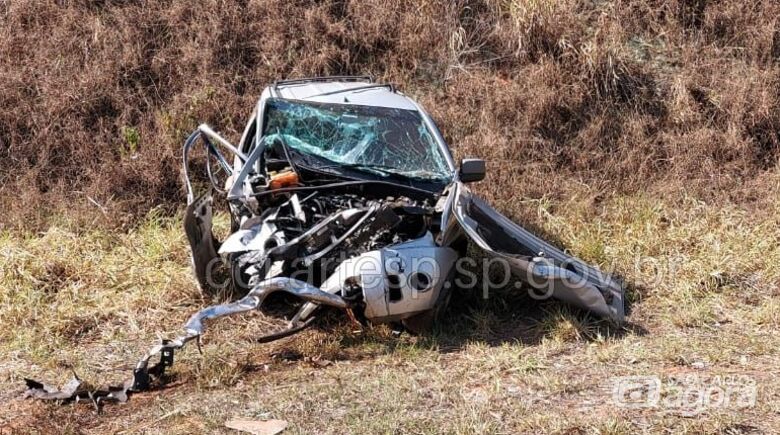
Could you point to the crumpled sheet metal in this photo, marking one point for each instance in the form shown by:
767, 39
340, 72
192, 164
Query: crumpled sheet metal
76, 390
143, 375
47, 392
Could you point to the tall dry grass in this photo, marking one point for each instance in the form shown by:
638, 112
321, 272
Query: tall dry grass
620, 96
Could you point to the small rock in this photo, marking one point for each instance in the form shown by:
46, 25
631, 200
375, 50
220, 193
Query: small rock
257, 427
699, 365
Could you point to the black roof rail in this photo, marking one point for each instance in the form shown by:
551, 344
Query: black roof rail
389, 86
324, 79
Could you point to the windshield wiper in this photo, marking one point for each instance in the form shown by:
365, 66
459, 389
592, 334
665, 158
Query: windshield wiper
382, 170
389, 171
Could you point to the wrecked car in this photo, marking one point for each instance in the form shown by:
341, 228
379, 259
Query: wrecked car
343, 193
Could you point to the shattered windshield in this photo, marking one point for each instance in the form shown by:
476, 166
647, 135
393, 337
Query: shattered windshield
378, 140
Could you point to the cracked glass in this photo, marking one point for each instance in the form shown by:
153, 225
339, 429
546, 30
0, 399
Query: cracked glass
379, 140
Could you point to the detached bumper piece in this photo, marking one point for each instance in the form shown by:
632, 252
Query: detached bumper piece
144, 377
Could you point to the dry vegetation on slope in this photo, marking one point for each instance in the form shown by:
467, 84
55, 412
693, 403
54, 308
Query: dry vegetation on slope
625, 130
620, 95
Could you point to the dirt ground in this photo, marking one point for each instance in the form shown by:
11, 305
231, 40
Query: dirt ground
641, 135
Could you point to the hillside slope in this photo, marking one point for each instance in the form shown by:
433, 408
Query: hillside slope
622, 96
643, 136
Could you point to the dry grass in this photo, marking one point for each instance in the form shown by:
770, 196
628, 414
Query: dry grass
94, 300
642, 135
622, 96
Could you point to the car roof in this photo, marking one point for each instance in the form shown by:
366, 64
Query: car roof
360, 91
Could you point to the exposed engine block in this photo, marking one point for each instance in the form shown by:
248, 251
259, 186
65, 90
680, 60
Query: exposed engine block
347, 244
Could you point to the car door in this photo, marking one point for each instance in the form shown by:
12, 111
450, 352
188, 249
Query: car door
545, 268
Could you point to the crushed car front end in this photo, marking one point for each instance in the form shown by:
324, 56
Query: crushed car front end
342, 193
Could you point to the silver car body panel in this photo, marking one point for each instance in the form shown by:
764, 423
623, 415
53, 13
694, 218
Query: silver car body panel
538, 263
